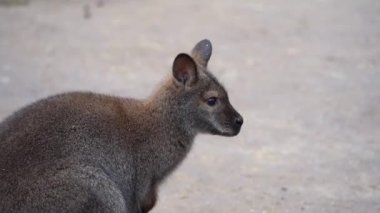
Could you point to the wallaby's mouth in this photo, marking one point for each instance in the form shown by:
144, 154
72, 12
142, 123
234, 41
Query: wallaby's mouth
230, 132
229, 129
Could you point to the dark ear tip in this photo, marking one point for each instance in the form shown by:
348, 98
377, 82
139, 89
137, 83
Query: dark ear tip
182, 56
205, 42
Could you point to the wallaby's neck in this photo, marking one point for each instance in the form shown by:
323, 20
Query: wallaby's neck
168, 135
165, 106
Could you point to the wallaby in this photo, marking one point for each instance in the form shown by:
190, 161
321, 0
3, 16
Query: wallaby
86, 152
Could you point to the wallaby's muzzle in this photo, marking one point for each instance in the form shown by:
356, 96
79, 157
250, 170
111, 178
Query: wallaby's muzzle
232, 122
237, 123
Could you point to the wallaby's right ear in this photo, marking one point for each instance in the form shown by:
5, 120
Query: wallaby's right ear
185, 70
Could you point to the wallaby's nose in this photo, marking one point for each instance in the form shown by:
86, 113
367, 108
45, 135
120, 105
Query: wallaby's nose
239, 120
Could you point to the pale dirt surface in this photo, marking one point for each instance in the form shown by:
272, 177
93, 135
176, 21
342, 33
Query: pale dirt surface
304, 74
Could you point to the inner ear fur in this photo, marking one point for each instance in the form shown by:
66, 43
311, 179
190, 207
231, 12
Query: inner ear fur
185, 70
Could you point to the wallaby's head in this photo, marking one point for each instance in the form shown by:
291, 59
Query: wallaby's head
199, 98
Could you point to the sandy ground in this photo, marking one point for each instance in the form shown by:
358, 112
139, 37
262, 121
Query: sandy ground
304, 74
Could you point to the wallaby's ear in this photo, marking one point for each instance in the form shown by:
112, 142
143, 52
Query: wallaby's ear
202, 52
185, 70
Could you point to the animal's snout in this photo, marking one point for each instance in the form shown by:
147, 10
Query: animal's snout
239, 120
237, 123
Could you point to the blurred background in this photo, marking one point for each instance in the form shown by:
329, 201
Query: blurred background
304, 74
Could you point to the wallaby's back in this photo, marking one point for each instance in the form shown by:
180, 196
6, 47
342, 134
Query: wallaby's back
68, 142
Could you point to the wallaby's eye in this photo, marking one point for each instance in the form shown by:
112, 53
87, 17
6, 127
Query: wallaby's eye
211, 101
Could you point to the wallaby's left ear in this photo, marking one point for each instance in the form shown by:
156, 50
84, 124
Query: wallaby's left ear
185, 70
202, 52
